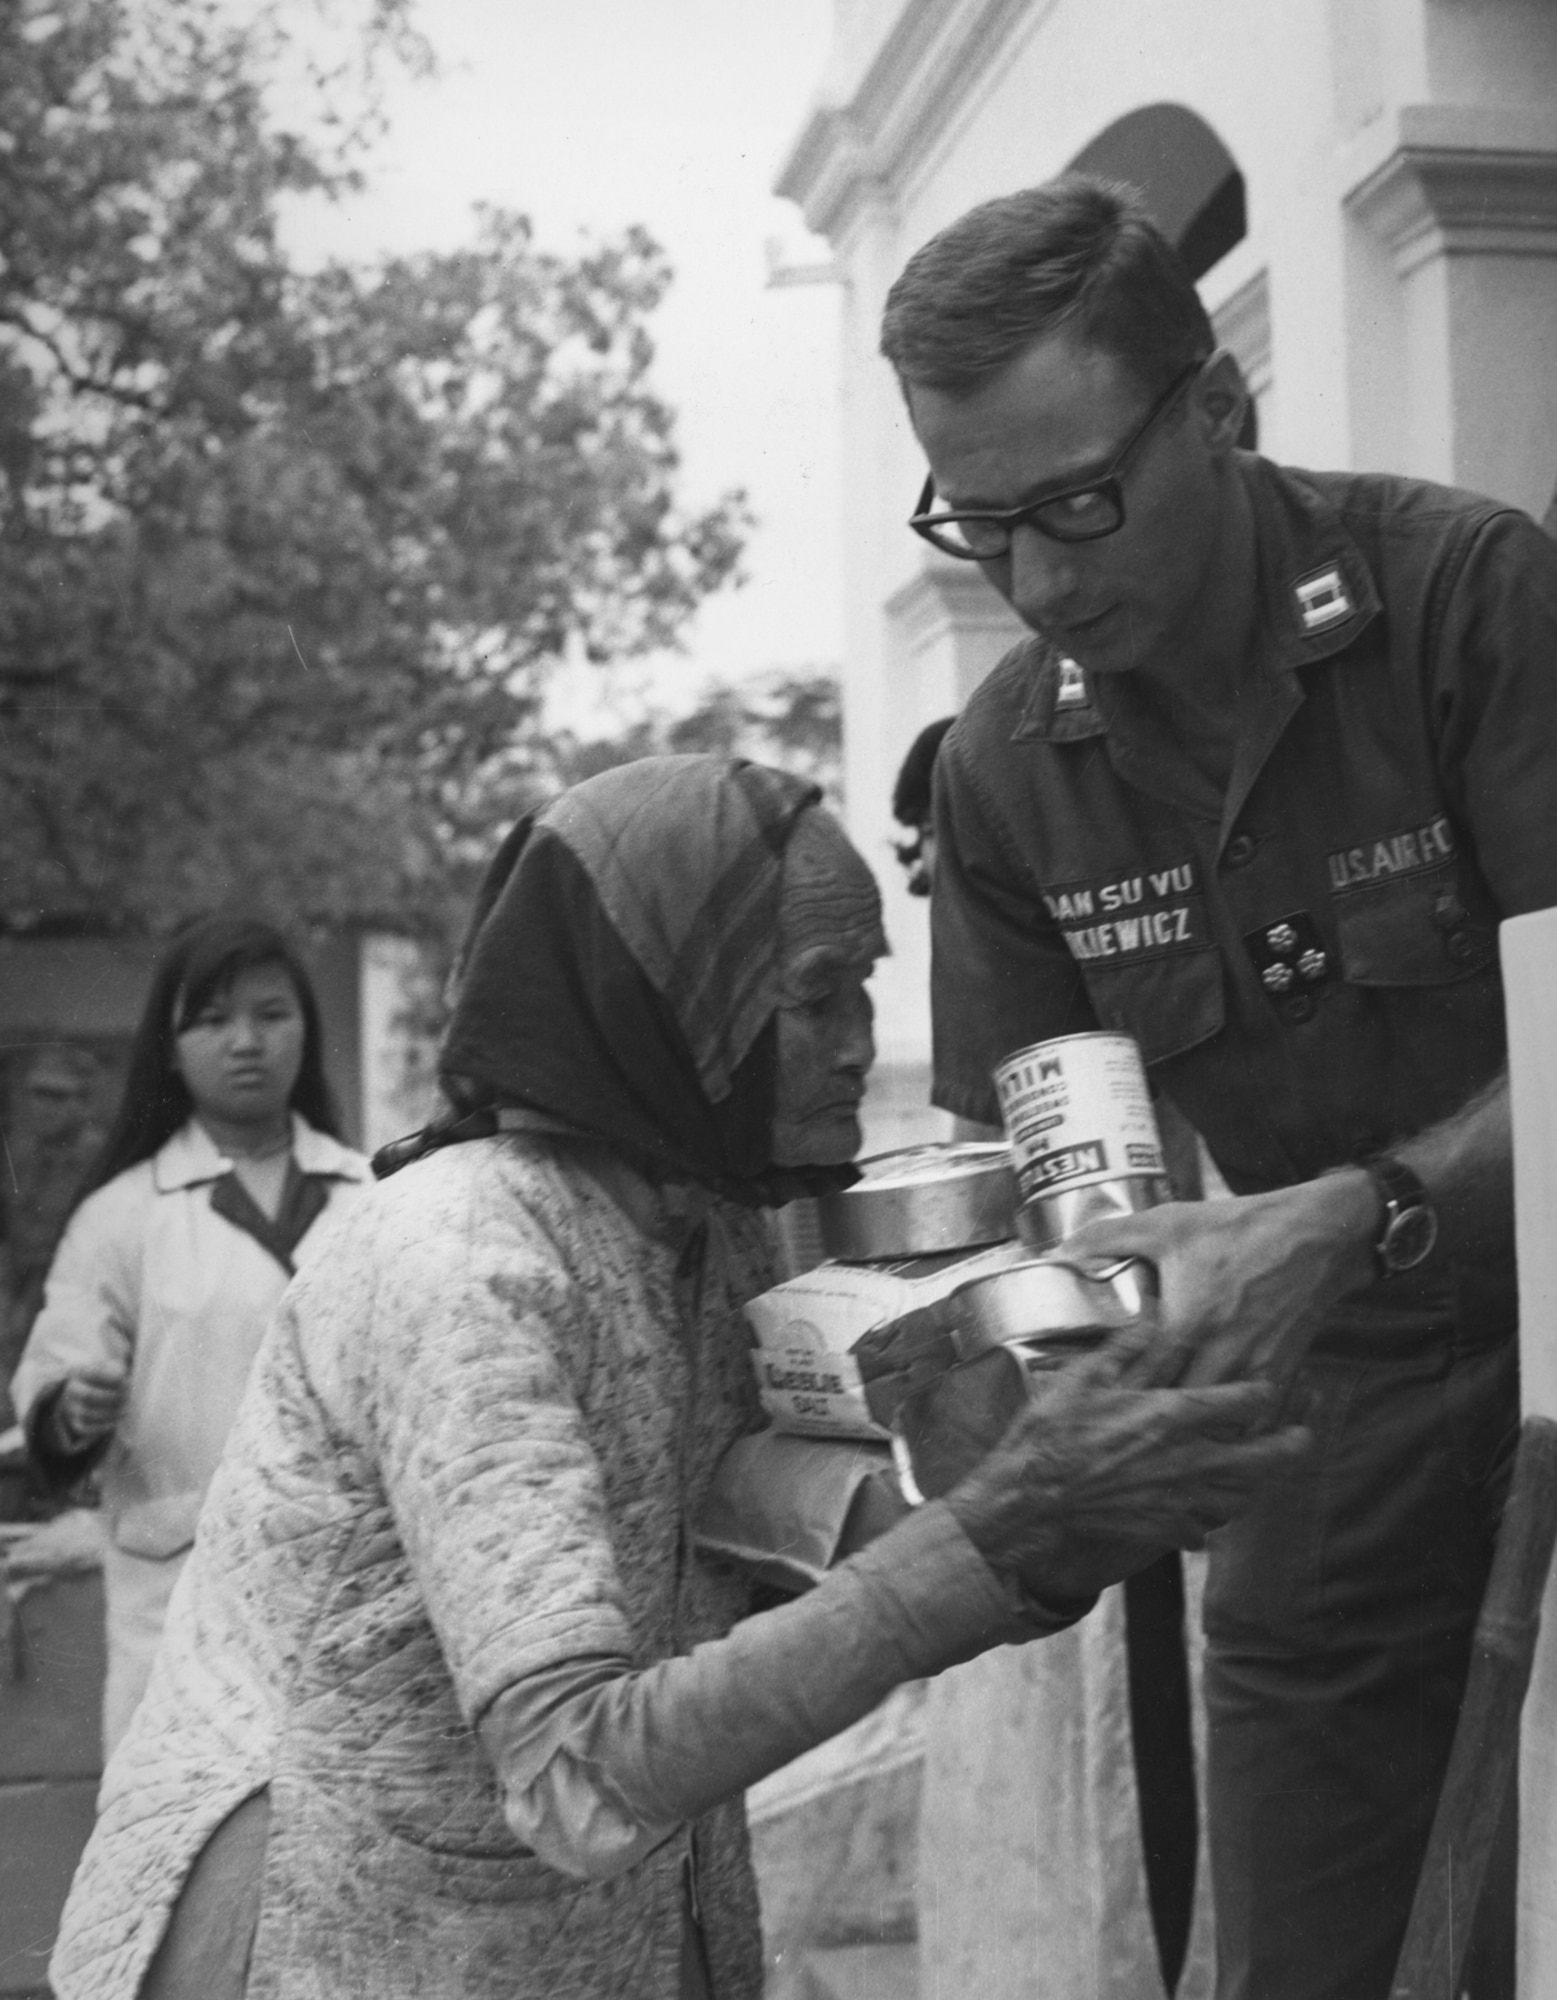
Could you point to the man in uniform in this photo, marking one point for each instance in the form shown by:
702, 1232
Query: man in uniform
1280, 753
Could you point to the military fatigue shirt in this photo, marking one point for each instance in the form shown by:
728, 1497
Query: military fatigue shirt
1308, 961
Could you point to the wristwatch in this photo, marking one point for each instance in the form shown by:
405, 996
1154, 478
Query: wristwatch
1408, 1228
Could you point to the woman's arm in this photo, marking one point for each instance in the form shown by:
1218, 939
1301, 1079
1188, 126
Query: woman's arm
600, 1764
1102, 1470
71, 1382
471, 1345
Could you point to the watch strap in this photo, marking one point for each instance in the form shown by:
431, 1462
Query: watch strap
1408, 1225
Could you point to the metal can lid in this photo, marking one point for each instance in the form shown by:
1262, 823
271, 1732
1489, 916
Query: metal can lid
925, 1165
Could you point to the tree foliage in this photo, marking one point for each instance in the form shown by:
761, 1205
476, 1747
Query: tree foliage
792, 717
286, 556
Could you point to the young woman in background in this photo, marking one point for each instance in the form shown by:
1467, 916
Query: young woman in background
214, 1183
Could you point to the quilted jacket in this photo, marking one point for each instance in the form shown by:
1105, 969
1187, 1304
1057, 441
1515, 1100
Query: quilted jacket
472, 1446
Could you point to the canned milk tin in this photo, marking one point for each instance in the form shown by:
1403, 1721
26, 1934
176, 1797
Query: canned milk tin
1079, 1117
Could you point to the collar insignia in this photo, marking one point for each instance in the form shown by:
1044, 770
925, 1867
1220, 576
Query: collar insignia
1071, 691
1322, 599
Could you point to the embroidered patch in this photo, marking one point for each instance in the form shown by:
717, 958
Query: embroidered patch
1404, 853
1131, 916
1072, 689
1322, 599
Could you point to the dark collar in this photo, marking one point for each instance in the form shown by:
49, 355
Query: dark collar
1317, 596
303, 1200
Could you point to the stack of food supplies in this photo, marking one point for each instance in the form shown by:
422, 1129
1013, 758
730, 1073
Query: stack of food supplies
820, 1481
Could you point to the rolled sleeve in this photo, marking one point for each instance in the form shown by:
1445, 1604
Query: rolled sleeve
1495, 690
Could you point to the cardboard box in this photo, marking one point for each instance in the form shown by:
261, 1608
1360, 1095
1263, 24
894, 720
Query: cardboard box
808, 1380
789, 1508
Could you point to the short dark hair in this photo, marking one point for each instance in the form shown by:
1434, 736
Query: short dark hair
201, 961
1079, 254
911, 792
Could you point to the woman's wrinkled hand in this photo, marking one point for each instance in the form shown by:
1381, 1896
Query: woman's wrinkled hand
90, 1404
1104, 1468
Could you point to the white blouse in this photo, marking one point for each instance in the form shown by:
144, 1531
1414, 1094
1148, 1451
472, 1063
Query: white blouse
149, 1278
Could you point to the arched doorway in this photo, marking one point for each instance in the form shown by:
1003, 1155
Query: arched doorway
1190, 181
1192, 185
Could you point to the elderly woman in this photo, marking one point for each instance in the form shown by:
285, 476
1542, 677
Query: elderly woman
448, 1706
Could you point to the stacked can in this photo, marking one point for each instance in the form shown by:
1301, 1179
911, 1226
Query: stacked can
1083, 1136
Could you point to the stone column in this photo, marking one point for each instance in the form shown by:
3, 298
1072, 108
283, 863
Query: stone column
1464, 200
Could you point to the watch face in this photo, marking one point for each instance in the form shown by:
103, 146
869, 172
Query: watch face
1409, 1237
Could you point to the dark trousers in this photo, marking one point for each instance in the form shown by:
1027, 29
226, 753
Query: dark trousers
1339, 1615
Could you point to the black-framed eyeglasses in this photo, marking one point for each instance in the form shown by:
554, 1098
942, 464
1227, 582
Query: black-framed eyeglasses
1075, 514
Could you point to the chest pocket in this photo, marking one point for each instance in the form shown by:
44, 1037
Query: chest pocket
1168, 1004
1414, 930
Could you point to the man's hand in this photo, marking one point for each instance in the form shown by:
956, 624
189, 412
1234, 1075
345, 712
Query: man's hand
90, 1405
1102, 1470
1244, 1283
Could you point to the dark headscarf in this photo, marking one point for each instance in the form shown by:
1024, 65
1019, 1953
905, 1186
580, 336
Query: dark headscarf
621, 975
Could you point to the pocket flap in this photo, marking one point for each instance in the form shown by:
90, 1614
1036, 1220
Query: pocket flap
1414, 930
1168, 1004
